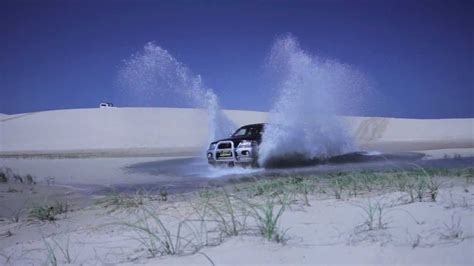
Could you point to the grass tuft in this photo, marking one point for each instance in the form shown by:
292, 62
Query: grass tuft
163, 195
30, 179
227, 213
268, 215
5, 174
338, 184
3, 177
116, 201
374, 214
63, 248
453, 230
48, 212
158, 238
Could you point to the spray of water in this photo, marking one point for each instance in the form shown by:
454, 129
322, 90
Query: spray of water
155, 72
309, 94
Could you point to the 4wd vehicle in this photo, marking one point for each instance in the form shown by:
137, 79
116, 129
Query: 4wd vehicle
240, 148
106, 105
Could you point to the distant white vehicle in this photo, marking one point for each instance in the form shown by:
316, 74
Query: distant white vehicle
106, 105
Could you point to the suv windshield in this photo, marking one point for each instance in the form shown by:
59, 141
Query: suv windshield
247, 131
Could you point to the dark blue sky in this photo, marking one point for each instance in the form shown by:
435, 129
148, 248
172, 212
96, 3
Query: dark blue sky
66, 54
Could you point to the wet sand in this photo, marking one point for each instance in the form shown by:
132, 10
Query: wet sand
181, 174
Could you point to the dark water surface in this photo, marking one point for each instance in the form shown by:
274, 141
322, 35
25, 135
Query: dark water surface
188, 174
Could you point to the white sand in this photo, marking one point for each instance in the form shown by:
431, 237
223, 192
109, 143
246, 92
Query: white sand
394, 134
179, 129
329, 231
110, 128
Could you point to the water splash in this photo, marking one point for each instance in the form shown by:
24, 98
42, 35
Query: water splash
310, 93
154, 72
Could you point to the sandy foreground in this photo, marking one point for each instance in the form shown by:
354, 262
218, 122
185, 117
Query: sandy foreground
317, 229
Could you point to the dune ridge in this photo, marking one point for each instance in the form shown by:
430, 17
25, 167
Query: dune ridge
156, 131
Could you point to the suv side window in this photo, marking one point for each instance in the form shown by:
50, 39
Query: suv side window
241, 132
254, 131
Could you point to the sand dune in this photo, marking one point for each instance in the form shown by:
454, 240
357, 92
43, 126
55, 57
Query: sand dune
395, 134
182, 130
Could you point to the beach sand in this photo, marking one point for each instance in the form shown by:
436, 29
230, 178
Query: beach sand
323, 231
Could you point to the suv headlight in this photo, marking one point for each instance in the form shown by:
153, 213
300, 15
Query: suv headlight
212, 146
245, 144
